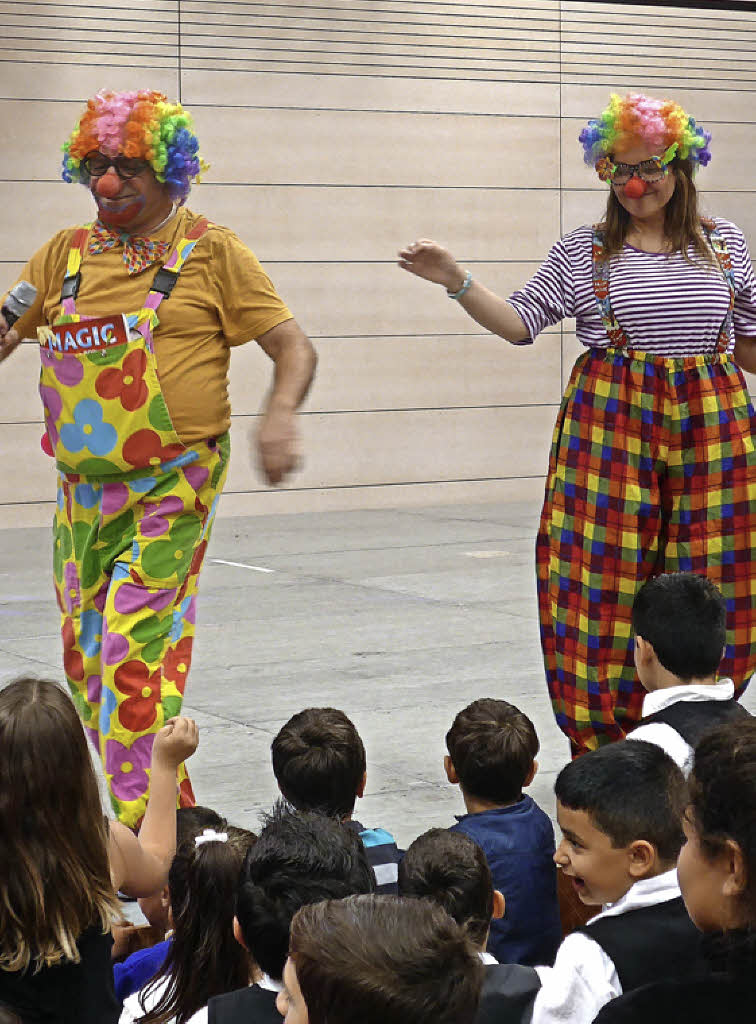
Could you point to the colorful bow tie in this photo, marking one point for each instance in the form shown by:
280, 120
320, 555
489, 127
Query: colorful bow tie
138, 252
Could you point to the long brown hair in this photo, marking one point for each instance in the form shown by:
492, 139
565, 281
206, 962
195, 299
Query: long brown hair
54, 869
204, 959
682, 218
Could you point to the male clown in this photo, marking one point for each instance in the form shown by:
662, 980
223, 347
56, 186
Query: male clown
136, 315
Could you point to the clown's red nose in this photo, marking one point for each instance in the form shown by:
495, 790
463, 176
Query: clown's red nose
109, 185
635, 188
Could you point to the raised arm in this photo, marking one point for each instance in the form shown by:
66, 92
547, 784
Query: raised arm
139, 866
432, 262
9, 339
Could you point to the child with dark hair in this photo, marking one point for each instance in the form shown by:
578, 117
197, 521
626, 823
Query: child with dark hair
717, 872
492, 749
62, 861
451, 869
299, 858
679, 622
203, 960
138, 968
620, 811
319, 764
379, 961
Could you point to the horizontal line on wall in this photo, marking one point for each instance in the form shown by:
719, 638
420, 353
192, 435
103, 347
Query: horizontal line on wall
94, 31
356, 487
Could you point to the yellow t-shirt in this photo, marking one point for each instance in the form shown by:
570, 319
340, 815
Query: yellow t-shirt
222, 298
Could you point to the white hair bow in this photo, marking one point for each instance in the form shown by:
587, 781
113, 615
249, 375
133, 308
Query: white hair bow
210, 836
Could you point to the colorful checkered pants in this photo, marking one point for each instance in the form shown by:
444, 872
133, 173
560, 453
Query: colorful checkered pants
652, 470
128, 553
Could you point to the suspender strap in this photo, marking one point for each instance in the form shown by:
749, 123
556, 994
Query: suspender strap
72, 280
600, 262
164, 281
719, 247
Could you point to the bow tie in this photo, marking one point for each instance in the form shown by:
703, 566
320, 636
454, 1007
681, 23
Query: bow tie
138, 252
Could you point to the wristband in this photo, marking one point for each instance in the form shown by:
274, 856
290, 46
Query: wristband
465, 287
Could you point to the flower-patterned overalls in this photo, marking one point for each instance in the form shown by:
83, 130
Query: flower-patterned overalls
134, 512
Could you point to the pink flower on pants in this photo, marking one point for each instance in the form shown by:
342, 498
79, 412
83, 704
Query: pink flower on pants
128, 767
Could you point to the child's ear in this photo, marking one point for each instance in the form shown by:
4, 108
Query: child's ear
362, 784
736, 877
642, 858
645, 650
498, 905
238, 933
531, 774
451, 772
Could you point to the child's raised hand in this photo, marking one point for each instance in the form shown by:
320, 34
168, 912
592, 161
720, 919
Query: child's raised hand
177, 740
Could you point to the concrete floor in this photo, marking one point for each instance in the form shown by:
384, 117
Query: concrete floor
398, 617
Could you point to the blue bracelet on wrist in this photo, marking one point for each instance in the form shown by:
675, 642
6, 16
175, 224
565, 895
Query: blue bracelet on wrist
465, 287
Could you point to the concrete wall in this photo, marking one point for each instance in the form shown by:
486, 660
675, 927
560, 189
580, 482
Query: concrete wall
337, 131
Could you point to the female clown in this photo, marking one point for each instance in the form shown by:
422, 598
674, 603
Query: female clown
136, 314
652, 466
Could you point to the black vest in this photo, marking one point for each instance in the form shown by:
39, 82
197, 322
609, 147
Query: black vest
508, 994
253, 1005
650, 944
692, 719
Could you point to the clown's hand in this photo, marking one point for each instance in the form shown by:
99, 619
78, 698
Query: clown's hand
432, 262
9, 339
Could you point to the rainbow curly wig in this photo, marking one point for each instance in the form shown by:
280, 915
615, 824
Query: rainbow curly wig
662, 124
142, 125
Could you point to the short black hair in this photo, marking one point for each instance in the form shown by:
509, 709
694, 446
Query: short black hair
451, 869
300, 857
319, 761
492, 746
631, 790
683, 616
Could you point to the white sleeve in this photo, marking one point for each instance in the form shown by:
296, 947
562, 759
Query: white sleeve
669, 740
582, 980
131, 1011
200, 1017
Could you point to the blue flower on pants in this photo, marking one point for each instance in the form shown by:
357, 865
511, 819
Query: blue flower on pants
88, 430
90, 632
177, 626
108, 704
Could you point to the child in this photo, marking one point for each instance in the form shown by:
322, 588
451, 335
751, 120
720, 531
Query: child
679, 624
717, 872
379, 961
138, 968
492, 748
451, 869
619, 809
299, 858
62, 862
204, 959
319, 764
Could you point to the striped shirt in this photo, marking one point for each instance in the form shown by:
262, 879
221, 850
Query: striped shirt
666, 305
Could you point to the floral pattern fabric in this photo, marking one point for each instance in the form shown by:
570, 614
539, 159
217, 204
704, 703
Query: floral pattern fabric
127, 557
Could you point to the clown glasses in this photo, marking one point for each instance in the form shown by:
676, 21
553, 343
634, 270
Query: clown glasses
650, 171
97, 164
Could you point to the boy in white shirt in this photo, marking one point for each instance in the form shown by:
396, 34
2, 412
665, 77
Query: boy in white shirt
680, 635
620, 811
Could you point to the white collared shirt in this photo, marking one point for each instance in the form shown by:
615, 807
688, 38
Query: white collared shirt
487, 958
665, 736
584, 978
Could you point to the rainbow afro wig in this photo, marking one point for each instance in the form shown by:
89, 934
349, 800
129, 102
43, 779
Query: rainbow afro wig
142, 125
662, 124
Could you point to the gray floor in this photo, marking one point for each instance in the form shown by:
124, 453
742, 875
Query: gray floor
400, 618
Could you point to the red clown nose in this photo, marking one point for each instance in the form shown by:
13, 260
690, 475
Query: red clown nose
109, 185
635, 188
